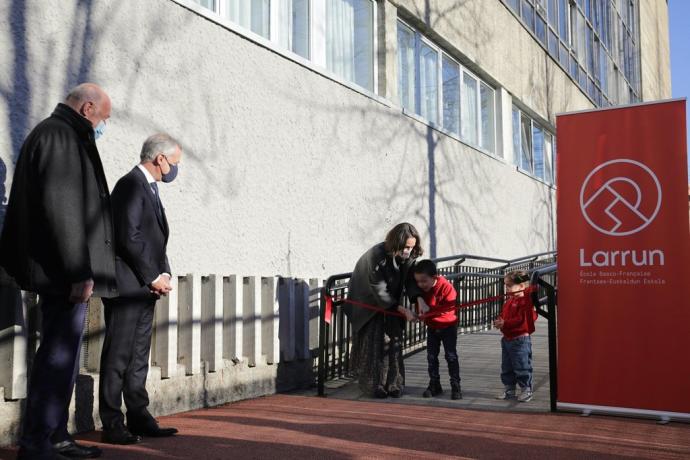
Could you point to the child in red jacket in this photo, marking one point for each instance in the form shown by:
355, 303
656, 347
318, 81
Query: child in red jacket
516, 322
438, 298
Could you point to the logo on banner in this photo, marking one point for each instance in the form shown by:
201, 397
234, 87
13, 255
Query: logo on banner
620, 197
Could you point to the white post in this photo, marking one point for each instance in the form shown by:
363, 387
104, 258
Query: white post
314, 285
233, 307
164, 353
13, 361
270, 321
13, 343
286, 309
189, 329
252, 319
95, 334
212, 322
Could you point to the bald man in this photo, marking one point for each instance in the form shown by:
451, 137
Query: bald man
57, 242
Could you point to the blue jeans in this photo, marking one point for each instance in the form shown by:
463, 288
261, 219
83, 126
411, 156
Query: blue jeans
449, 337
516, 362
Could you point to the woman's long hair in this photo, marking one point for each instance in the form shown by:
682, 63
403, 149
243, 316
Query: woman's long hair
397, 238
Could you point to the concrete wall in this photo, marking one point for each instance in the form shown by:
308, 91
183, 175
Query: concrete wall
216, 339
655, 52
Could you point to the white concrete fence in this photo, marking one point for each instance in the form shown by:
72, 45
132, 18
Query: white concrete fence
216, 339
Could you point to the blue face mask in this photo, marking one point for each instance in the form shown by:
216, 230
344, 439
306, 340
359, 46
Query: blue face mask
99, 129
170, 175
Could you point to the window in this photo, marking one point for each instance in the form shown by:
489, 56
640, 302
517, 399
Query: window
433, 85
469, 109
538, 150
583, 36
487, 110
526, 144
548, 159
516, 136
250, 14
406, 67
428, 83
210, 4
292, 28
533, 147
528, 14
451, 96
563, 19
350, 40
334, 34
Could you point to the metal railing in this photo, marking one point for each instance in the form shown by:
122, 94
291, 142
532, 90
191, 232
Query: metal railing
547, 296
474, 278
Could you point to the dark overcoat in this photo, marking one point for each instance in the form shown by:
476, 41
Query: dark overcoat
58, 228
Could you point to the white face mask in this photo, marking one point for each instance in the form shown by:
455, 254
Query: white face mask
406, 253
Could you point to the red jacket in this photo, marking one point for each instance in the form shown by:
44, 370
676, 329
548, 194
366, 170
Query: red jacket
441, 297
519, 316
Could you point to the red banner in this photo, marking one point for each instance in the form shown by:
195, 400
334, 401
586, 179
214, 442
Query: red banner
624, 259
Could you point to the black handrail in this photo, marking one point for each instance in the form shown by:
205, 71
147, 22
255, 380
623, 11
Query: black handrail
550, 300
471, 283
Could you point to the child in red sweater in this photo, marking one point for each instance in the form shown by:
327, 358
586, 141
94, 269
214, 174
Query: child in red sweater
516, 322
438, 297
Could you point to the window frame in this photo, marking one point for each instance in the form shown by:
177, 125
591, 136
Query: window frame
316, 41
571, 49
462, 70
517, 148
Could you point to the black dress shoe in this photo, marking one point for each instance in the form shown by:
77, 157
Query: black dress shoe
70, 449
397, 393
380, 393
150, 429
119, 435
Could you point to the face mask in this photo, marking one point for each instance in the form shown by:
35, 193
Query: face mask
406, 253
99, 129
170, 175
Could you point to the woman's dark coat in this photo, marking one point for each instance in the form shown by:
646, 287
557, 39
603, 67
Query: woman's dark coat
380, 280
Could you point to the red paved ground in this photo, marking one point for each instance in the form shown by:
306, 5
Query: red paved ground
299, 427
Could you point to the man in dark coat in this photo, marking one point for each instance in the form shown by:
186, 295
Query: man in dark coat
57, 242
143, 274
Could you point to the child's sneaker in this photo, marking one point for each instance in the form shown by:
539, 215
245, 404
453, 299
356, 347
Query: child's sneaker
507, 394
434, 389
525, 395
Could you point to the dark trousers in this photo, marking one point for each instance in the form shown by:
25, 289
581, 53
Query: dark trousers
125, 360
449, 337
53, 374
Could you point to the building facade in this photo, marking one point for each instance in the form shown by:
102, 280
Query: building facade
311, 127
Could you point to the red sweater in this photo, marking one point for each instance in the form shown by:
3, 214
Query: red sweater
518, 315
441, 297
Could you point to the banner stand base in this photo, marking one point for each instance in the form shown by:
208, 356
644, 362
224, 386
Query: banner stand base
662, 416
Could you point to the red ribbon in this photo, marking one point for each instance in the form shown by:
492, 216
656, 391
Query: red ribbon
328, 309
